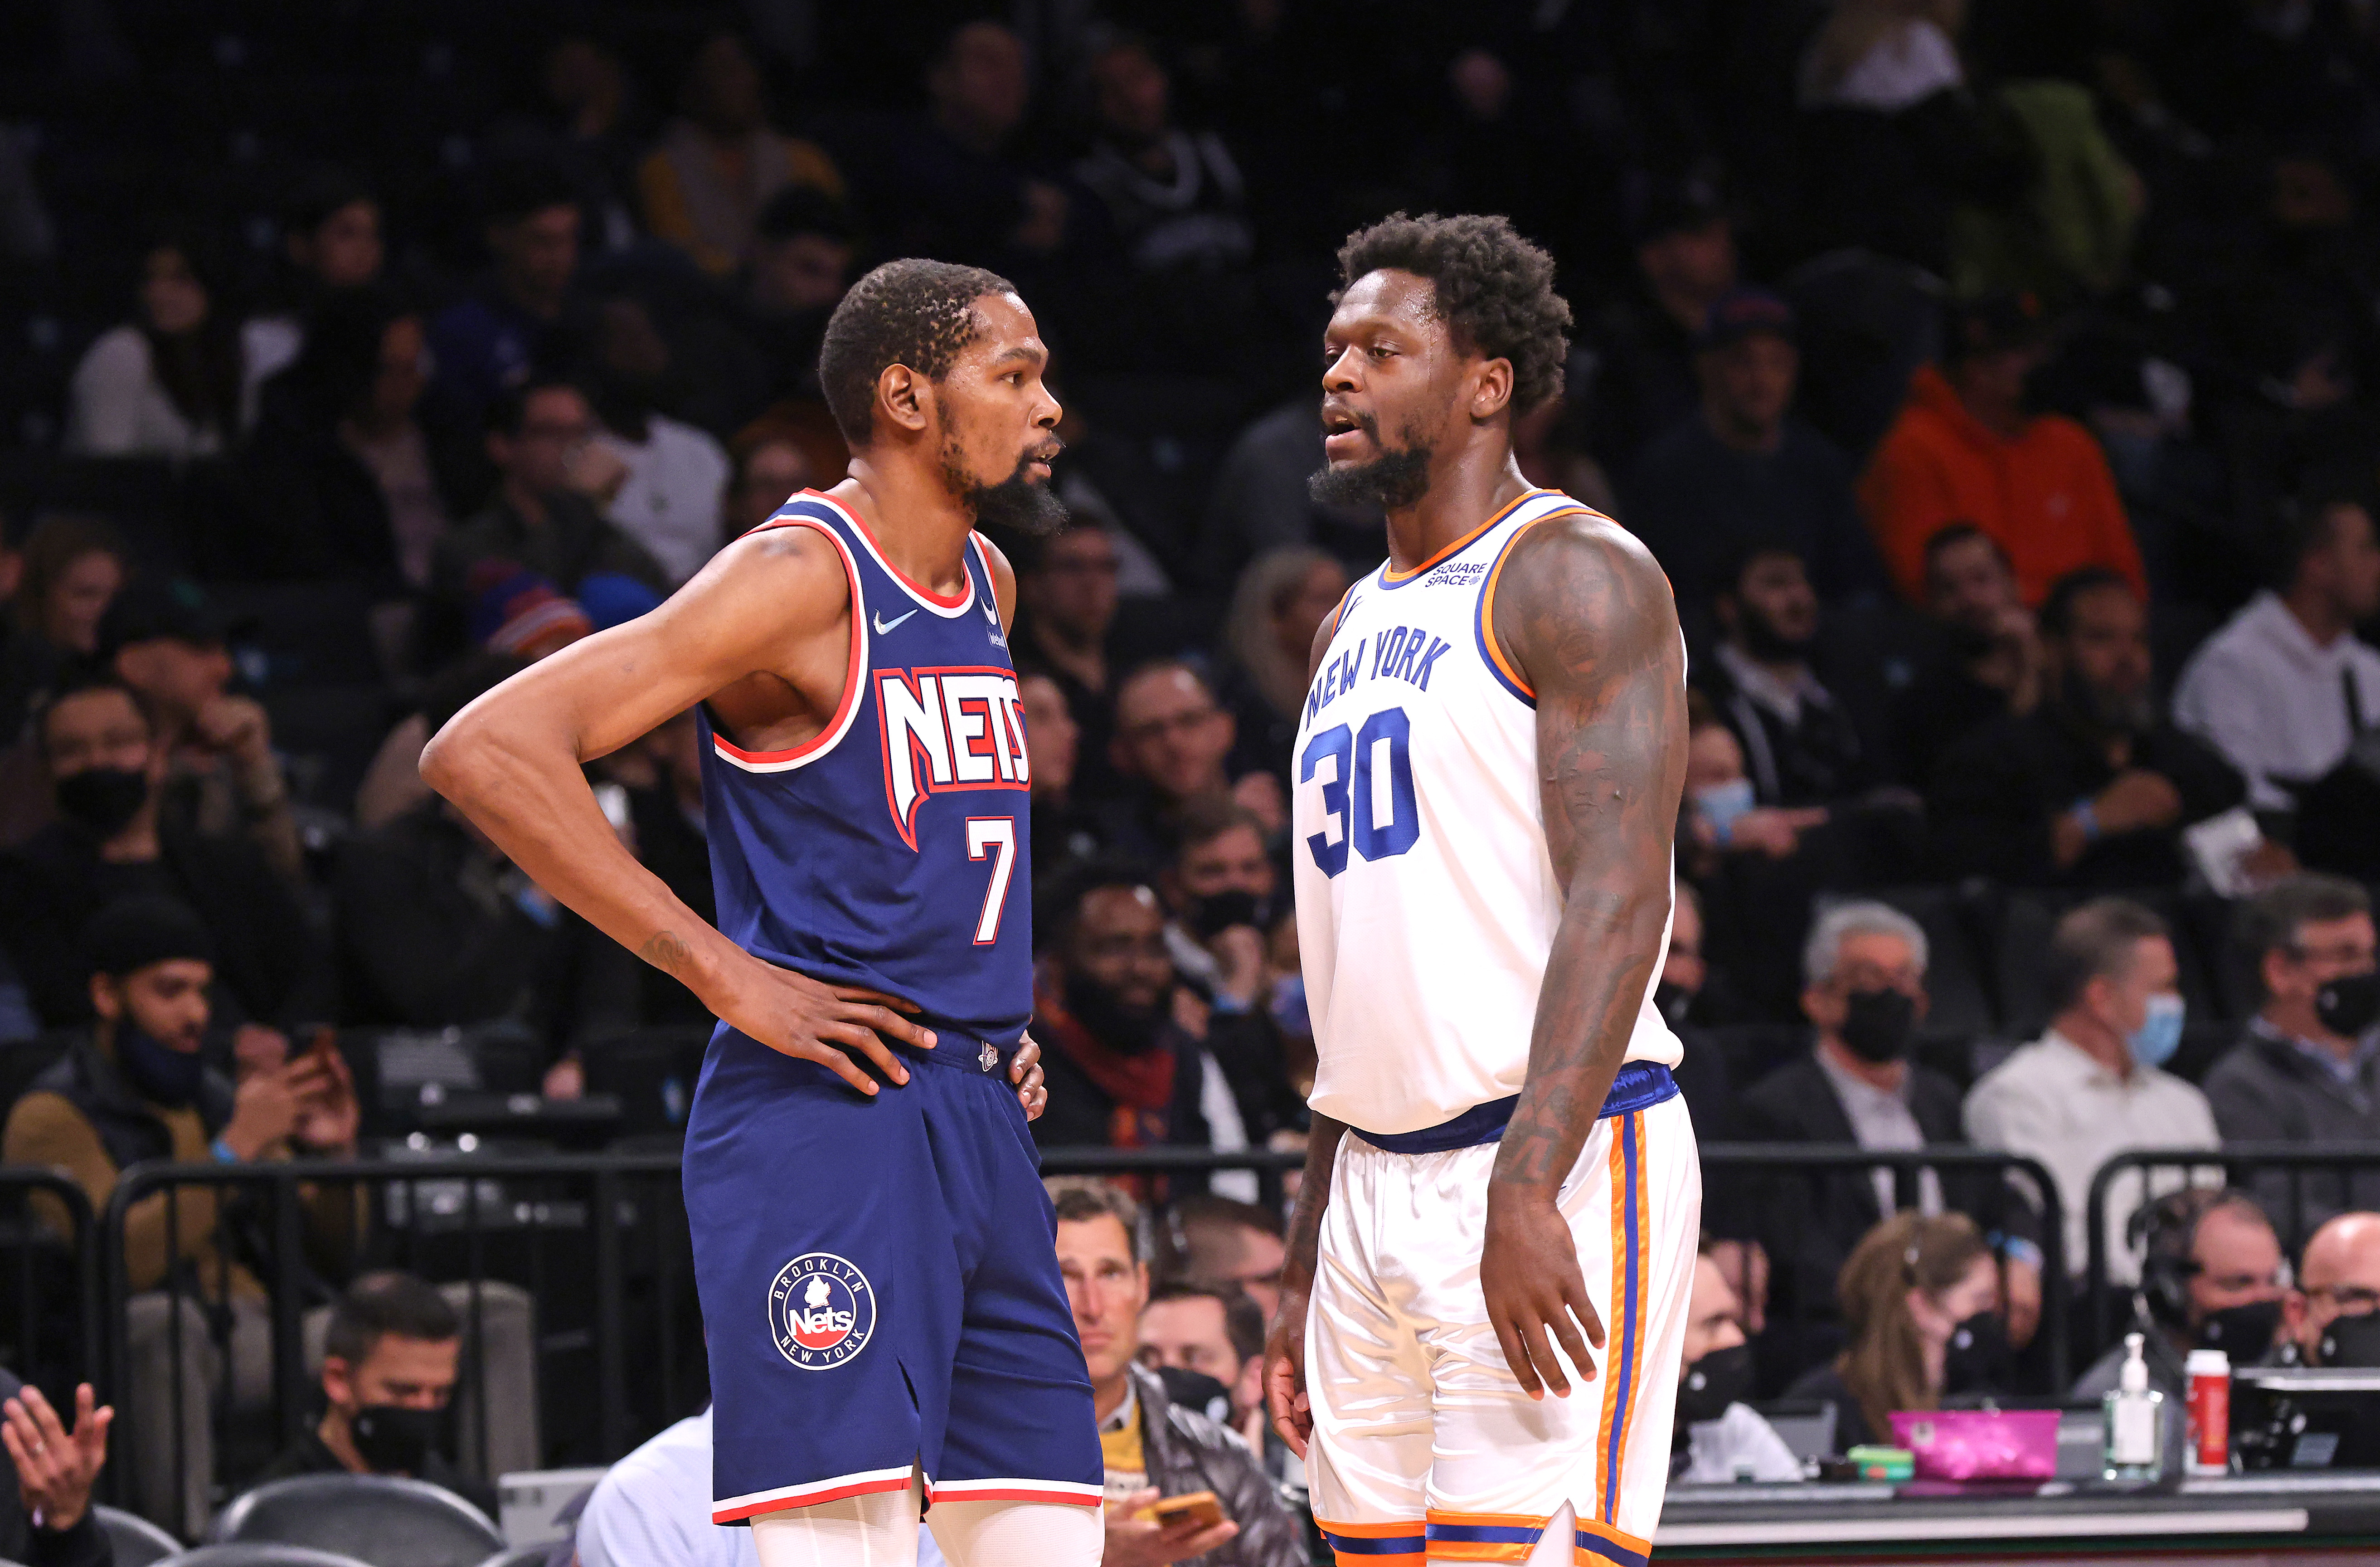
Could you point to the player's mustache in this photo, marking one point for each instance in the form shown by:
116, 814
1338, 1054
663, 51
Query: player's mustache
1368, 423
1043, 454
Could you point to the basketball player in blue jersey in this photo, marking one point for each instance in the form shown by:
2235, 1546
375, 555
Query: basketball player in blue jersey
875, 1254
1501, 1195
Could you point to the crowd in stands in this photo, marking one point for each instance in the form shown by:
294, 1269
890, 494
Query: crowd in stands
1996, 384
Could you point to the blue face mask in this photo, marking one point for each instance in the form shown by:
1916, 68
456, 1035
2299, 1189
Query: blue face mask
1720, 804
2159, 1035
156, 1071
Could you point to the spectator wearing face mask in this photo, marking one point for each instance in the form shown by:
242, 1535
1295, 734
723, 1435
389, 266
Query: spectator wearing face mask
115, 837
2334, 1317
1220, 889
391, 1353
2092, 1086
1920, 1296
1864, 968
1716, 1436
135, 1089
2212, 1276
2307, 1066
2094, 787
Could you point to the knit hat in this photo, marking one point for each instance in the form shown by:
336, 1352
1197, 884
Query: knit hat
513, 607
131, 933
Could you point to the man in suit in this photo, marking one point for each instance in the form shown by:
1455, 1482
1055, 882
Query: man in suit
1865, 993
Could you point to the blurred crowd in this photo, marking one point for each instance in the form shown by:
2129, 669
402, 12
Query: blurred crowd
1997, 383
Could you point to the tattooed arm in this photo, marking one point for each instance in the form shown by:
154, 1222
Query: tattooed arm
1588, 621
762, 631
1284, 1373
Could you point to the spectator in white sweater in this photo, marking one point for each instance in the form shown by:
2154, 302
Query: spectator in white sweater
2283, 688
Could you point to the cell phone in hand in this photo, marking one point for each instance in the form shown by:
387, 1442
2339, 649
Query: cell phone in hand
1199, 1508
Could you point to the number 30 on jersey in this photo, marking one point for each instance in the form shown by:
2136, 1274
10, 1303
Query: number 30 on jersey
1367, 790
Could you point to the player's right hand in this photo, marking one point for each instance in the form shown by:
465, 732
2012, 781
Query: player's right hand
1285, 1375
801, 1018
1142, 1542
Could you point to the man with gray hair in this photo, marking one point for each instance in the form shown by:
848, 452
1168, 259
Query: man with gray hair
2092, 1087
2307, 1066
1864, 973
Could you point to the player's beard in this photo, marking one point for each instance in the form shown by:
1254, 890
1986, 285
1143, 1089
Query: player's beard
1398, 478
1021, 502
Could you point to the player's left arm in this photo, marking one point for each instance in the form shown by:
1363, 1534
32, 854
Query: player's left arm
1586, 617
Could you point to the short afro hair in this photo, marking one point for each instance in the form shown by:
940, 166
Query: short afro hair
1494, 290
911, 312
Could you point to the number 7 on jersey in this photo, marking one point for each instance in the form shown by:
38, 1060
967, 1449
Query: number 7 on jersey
993, 837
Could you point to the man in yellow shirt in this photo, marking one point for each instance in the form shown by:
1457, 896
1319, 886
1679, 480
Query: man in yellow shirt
1152, 1446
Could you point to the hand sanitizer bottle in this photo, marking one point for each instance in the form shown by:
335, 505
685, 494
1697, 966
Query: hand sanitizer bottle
2135, 1415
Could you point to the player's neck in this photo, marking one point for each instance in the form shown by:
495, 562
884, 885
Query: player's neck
917, 523
1461, 496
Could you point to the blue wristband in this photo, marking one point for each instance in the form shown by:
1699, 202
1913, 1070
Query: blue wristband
222, 1151
2086, 816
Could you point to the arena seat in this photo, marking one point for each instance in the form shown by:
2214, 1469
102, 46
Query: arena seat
136, 1541
260, 1553
380, 1520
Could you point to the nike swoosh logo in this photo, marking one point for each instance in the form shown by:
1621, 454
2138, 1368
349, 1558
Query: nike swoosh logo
883, 625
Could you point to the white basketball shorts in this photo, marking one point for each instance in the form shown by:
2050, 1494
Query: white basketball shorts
1425, 1447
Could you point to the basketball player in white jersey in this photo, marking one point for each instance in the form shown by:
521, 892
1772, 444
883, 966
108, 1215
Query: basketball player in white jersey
1501, 1196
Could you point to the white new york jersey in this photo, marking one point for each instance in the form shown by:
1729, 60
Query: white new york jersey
1425, 896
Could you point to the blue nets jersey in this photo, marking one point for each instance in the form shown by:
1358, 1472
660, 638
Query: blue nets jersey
891, 851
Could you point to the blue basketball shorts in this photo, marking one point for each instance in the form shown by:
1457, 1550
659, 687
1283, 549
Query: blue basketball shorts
879, 1286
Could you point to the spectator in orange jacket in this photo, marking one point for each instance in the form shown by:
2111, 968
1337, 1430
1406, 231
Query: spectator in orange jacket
1965, 449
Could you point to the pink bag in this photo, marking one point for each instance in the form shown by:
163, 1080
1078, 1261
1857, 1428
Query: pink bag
1979, 1444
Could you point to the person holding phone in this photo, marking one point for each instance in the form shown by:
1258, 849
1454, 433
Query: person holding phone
1180, 1488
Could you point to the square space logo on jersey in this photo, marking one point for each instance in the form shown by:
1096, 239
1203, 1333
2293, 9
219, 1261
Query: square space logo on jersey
821, 1311
945, 730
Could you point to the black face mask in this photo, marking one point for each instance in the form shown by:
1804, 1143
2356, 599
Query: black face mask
392, 1439
1978, 1355
2351, 1340
1721, 1378
2243, 1332
1213, 915
1876, 1024
101, 800
1127, 1029
2350, 1004
1674, 1003
156, 1071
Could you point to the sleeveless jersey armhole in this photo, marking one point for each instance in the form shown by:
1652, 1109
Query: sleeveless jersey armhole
1483, 618
854, 672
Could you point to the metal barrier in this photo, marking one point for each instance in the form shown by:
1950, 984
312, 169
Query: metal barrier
2283, 1168
587, 1237
55, 1291
1717, 1157
1905, 1164
601, 1244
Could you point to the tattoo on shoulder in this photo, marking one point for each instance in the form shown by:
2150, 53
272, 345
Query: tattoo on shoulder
665, 952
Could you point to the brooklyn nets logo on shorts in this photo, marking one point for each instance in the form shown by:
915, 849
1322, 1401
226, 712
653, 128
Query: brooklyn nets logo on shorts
821, 1311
